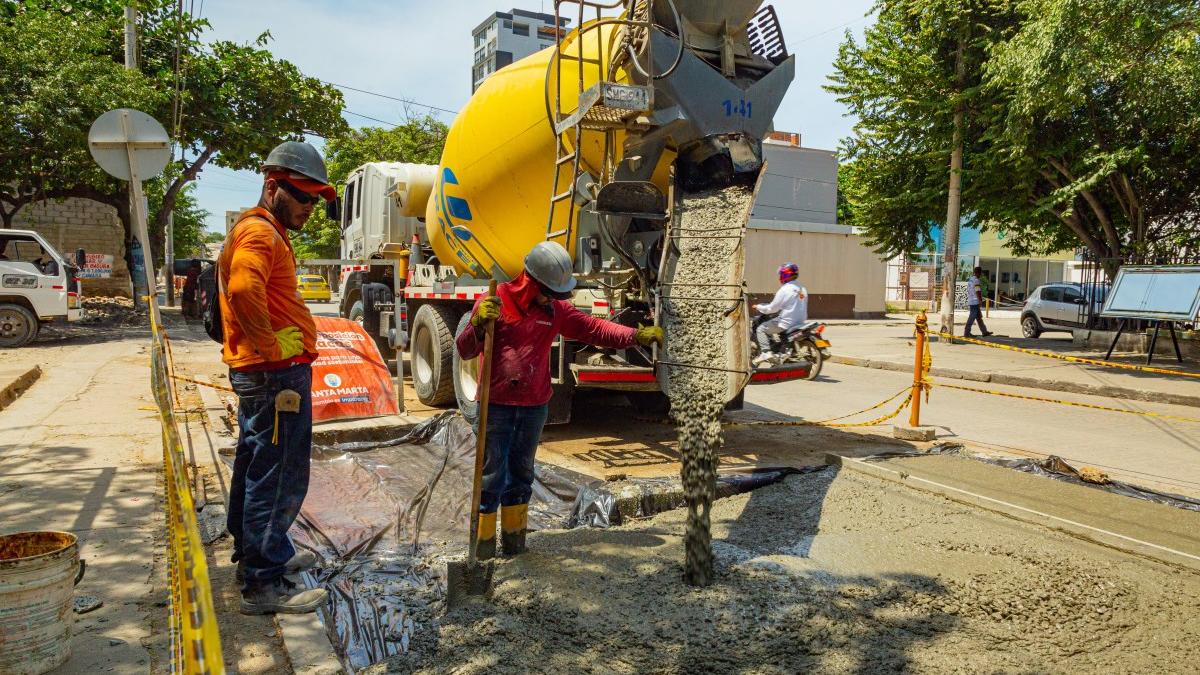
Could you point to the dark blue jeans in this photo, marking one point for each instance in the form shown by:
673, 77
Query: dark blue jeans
974, 316
513, 432
270, 479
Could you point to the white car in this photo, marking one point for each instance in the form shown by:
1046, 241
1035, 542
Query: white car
37, 285
1060, 306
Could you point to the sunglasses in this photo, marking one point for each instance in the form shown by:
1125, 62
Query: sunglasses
301, 197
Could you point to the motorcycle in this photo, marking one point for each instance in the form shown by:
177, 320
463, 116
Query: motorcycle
804, 343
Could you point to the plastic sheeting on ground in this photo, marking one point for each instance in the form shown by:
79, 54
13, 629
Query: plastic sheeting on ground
385, 516
1055, 467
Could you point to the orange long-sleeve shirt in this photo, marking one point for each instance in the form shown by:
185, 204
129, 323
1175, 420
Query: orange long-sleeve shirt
259, 295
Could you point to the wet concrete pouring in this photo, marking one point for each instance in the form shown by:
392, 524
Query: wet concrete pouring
830, 570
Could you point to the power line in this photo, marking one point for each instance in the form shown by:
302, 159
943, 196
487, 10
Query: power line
390, 98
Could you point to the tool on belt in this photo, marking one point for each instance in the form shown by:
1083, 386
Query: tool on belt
285, 401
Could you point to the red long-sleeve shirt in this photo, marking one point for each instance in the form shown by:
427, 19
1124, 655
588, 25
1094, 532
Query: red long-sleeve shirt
521, 351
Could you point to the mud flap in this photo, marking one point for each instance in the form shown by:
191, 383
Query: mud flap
561, 402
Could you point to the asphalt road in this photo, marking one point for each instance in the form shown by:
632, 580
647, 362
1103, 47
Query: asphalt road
1144, 450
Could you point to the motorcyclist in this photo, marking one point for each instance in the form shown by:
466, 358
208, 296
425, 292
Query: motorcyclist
790, 307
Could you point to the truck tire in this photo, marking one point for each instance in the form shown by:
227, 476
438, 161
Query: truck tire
356, 311
466, 378
18, 326
432, 354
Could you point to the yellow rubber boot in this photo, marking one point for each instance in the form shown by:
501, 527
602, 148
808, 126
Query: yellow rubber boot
485, 549
513, 524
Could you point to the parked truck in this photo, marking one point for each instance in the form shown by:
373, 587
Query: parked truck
593, 143
37, 286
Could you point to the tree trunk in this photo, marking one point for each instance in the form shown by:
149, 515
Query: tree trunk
954, 203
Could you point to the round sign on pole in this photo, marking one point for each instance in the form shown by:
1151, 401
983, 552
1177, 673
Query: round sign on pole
125, 136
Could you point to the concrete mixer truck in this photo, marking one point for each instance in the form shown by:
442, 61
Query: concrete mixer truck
595, 143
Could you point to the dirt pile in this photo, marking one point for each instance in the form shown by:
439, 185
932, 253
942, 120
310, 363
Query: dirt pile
835, 572
696, 304
110, 311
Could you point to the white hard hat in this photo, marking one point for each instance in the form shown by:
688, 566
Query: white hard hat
550, 264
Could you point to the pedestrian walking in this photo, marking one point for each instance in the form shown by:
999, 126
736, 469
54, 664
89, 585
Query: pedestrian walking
530, 312
975, 304
269, 345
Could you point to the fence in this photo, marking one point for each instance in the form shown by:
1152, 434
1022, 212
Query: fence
195, 639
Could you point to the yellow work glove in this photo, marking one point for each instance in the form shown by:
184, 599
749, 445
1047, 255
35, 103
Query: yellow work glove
648, 334
291, 341
488, 310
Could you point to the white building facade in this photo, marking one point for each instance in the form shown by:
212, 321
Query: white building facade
505, 37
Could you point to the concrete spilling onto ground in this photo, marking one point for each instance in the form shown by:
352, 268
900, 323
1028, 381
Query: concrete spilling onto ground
694, 314
837, 572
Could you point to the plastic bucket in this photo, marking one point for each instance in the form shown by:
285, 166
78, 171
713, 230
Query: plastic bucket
38, 573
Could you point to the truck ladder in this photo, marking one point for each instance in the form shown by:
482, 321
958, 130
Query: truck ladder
605, 107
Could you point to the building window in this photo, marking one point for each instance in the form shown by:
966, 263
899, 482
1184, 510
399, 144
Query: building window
480, 38
508, 24
521, 29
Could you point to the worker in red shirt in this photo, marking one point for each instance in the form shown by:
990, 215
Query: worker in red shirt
530, 312
270, 342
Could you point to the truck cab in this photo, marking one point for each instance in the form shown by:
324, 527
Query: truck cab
37, 286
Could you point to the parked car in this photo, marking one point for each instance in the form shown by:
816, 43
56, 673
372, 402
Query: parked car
313, 288
1059, 306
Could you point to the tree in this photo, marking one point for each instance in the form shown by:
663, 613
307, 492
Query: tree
1101, 137
189, 218
417, 141
62, 67
56, 77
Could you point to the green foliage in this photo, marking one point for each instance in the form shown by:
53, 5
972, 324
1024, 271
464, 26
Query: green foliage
189, 217
417, 141
1082, 123
214, 237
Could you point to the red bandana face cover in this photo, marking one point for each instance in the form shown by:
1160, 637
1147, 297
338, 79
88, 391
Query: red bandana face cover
516, 297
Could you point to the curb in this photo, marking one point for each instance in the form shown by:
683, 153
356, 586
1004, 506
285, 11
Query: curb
13, 390
1029, 382
1095, 535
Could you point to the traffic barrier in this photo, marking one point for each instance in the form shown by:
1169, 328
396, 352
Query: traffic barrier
1065, 357
194, 637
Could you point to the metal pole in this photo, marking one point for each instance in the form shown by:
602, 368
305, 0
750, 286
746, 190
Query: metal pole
169, 272
130, 37
139, 225
134, 203
914, 415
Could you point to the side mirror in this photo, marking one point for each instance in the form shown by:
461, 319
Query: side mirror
333, 210
80, 257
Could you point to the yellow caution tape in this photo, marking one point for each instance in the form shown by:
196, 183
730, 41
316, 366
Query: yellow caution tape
1072, 359
195, 638
1093, 406
210, 385
829, 422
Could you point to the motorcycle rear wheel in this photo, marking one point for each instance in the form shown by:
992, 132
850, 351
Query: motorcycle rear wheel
808, 351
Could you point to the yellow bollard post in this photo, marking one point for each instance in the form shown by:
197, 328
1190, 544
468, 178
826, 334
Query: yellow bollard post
987, 307
914, 417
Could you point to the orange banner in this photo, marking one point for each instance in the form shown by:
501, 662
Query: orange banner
350, 378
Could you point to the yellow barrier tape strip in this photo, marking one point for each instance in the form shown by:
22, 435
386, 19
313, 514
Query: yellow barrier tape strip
1093, 406
1072, 359
195, 637
829, 422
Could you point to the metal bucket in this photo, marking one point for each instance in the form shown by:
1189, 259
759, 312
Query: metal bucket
38, 573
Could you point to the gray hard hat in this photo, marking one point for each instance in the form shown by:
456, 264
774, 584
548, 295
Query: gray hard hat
298, 157
550, 264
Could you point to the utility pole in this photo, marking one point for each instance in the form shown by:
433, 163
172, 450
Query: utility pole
131, 64
954, 204
169, 272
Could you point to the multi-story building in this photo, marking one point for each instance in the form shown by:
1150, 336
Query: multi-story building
505, 37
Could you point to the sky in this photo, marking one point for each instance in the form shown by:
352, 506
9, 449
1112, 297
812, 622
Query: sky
422, 51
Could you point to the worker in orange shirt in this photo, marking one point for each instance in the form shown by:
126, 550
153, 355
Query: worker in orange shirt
269, 345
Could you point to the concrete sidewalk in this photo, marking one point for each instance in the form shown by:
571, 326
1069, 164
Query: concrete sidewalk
889, 346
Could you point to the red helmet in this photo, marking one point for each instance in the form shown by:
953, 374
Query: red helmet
788, 272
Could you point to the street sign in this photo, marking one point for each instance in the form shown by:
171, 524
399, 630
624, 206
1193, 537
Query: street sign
133, 146
124, 136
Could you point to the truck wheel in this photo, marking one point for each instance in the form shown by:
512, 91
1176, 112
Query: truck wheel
433, 354
18, 326
466, 378
356, 312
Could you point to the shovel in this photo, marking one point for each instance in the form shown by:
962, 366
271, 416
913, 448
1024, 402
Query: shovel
472, 578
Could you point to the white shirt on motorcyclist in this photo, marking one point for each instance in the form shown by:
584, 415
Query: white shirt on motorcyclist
791, 304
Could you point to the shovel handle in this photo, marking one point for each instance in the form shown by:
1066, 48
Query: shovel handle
485, 387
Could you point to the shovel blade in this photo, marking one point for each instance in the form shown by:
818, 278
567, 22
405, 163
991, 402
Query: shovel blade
465, 582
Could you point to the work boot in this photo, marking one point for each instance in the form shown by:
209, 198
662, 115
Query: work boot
513, 522
282, 597
302, 560
485, 548
762, 359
